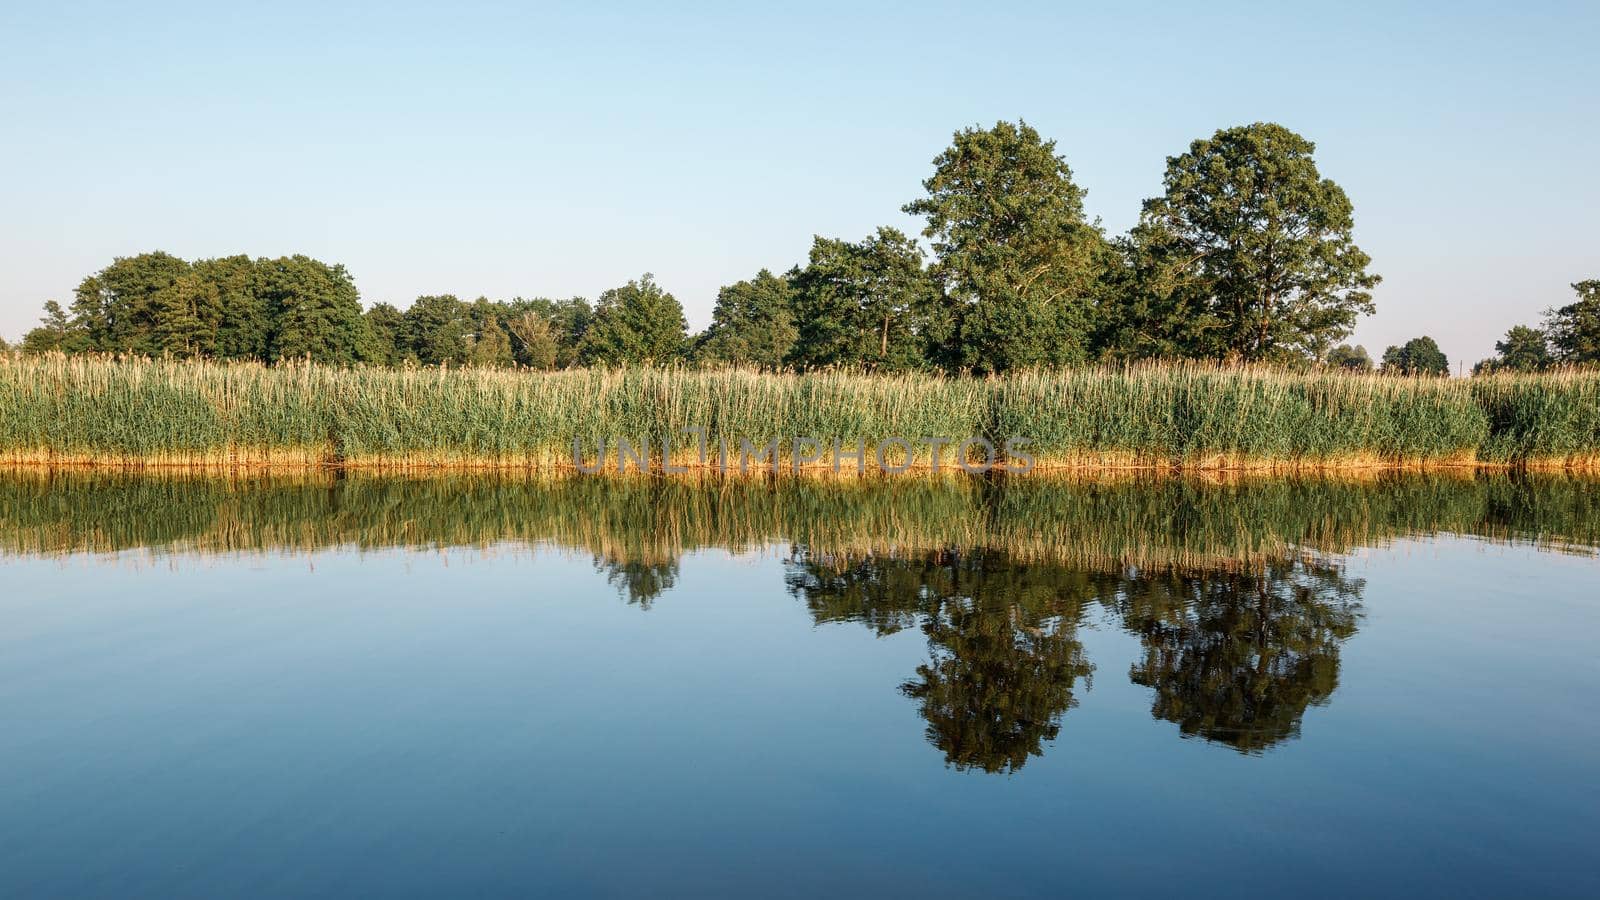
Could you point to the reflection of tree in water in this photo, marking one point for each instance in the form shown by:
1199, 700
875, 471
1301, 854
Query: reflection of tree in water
639, 583
1234, 657
1002, 639
1237, 658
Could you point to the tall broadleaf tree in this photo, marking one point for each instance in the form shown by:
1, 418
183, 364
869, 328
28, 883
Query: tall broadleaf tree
1251, 249
871, 304
1012, 250
636, 323
315, 309
752, 324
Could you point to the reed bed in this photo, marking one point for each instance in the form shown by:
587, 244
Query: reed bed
57, 410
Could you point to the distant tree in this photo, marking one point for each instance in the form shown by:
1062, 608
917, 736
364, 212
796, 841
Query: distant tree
114, 306
533, 341
547, 333
185, 316
1418, 356
1012, 250
315, 309
1523, 350
492, 346
385, 334
438, 330
1574, 329
639, 582
57, 332
570, 320
1251, 249
869, 304
752, 324
1354, 359
636, 323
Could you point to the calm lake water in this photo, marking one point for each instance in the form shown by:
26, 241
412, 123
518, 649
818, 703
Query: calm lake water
366, 686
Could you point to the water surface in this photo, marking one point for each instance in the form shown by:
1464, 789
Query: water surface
364, 686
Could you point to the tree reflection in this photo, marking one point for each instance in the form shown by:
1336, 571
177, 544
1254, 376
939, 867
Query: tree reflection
1234, 657
1237, 658
639, 582
1004, 658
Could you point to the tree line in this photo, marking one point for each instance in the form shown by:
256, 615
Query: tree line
1246, 255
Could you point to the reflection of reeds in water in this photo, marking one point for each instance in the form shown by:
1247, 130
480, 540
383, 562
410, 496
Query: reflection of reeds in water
1095, 523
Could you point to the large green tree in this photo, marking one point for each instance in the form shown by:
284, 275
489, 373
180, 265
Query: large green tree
1018, 262
871, 304
636, 323
1574, 329
315, 310
752, 324
115, 307
1249, 253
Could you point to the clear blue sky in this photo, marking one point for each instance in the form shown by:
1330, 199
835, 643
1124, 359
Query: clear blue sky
503, 149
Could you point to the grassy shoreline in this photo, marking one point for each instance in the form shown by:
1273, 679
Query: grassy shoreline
99, 412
